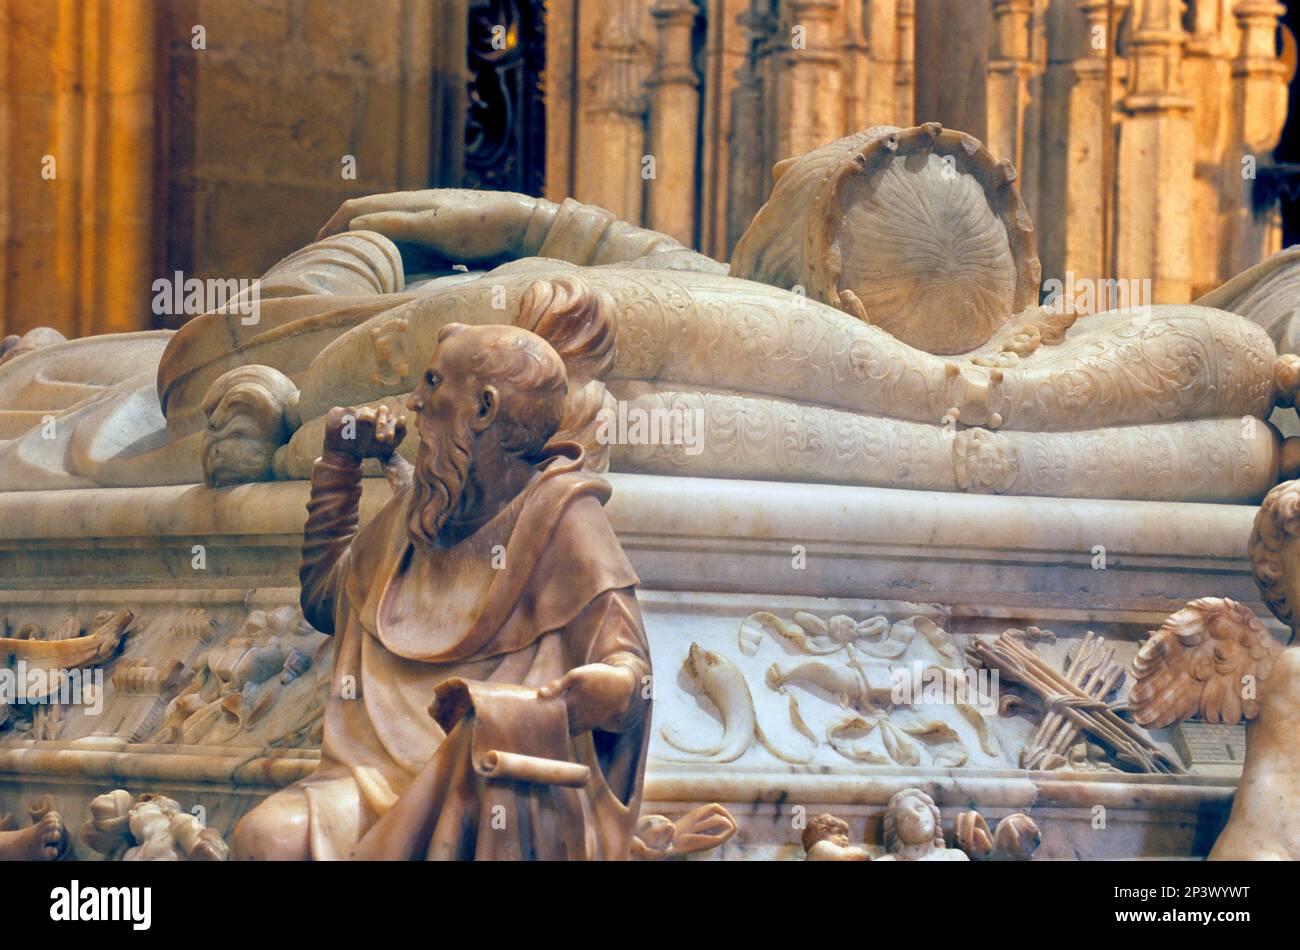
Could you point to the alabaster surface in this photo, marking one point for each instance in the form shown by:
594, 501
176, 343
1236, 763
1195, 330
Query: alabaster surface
901, 461
1215, 660
813, 358
706, 571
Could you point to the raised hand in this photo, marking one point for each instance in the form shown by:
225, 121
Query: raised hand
363, 433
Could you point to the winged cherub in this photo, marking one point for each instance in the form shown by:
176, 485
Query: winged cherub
1214, 657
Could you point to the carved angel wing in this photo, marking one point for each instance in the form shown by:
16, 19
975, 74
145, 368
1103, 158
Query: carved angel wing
1198, 663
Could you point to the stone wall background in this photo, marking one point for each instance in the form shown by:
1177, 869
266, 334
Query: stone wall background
77, 122
257, 126
215, 161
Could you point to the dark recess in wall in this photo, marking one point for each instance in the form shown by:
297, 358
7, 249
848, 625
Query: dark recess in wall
1288, 149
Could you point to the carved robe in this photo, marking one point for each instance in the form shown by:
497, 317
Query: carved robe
541, 588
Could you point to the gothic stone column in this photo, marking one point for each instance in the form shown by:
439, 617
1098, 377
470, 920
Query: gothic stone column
1156, 158
674, 122
952, 58
1259, 104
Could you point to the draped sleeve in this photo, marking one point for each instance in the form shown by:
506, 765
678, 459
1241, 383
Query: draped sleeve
332, 523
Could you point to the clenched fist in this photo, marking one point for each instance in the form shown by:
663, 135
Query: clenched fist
358, 434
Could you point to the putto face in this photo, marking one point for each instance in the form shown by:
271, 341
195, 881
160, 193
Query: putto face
914, 820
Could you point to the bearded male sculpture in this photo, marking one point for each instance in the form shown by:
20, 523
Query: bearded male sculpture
489, 694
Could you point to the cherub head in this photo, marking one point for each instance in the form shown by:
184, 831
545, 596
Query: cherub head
826, 827
912, 819
152, 815
1273, 552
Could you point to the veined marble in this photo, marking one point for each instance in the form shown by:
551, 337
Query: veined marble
887, 474
973, 566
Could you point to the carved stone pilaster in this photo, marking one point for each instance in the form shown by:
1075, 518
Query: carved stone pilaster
613, 139
1033, 145
726, 55
1207, 77
618, 85
1156, 157
1258, 22
1258, 111
905, 77
674, 120
747, 152
1096, 35
856, 66
809, 98
1010, 68
1089, 138
78, 115
1155, 55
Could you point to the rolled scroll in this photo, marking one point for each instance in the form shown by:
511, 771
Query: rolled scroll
530, 768
516, 736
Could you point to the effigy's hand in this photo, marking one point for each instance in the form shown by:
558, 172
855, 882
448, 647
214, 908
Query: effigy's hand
594, 694
397, 202
358, 434
454, 223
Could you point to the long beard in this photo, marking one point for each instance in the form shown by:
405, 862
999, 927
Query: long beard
441, 471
